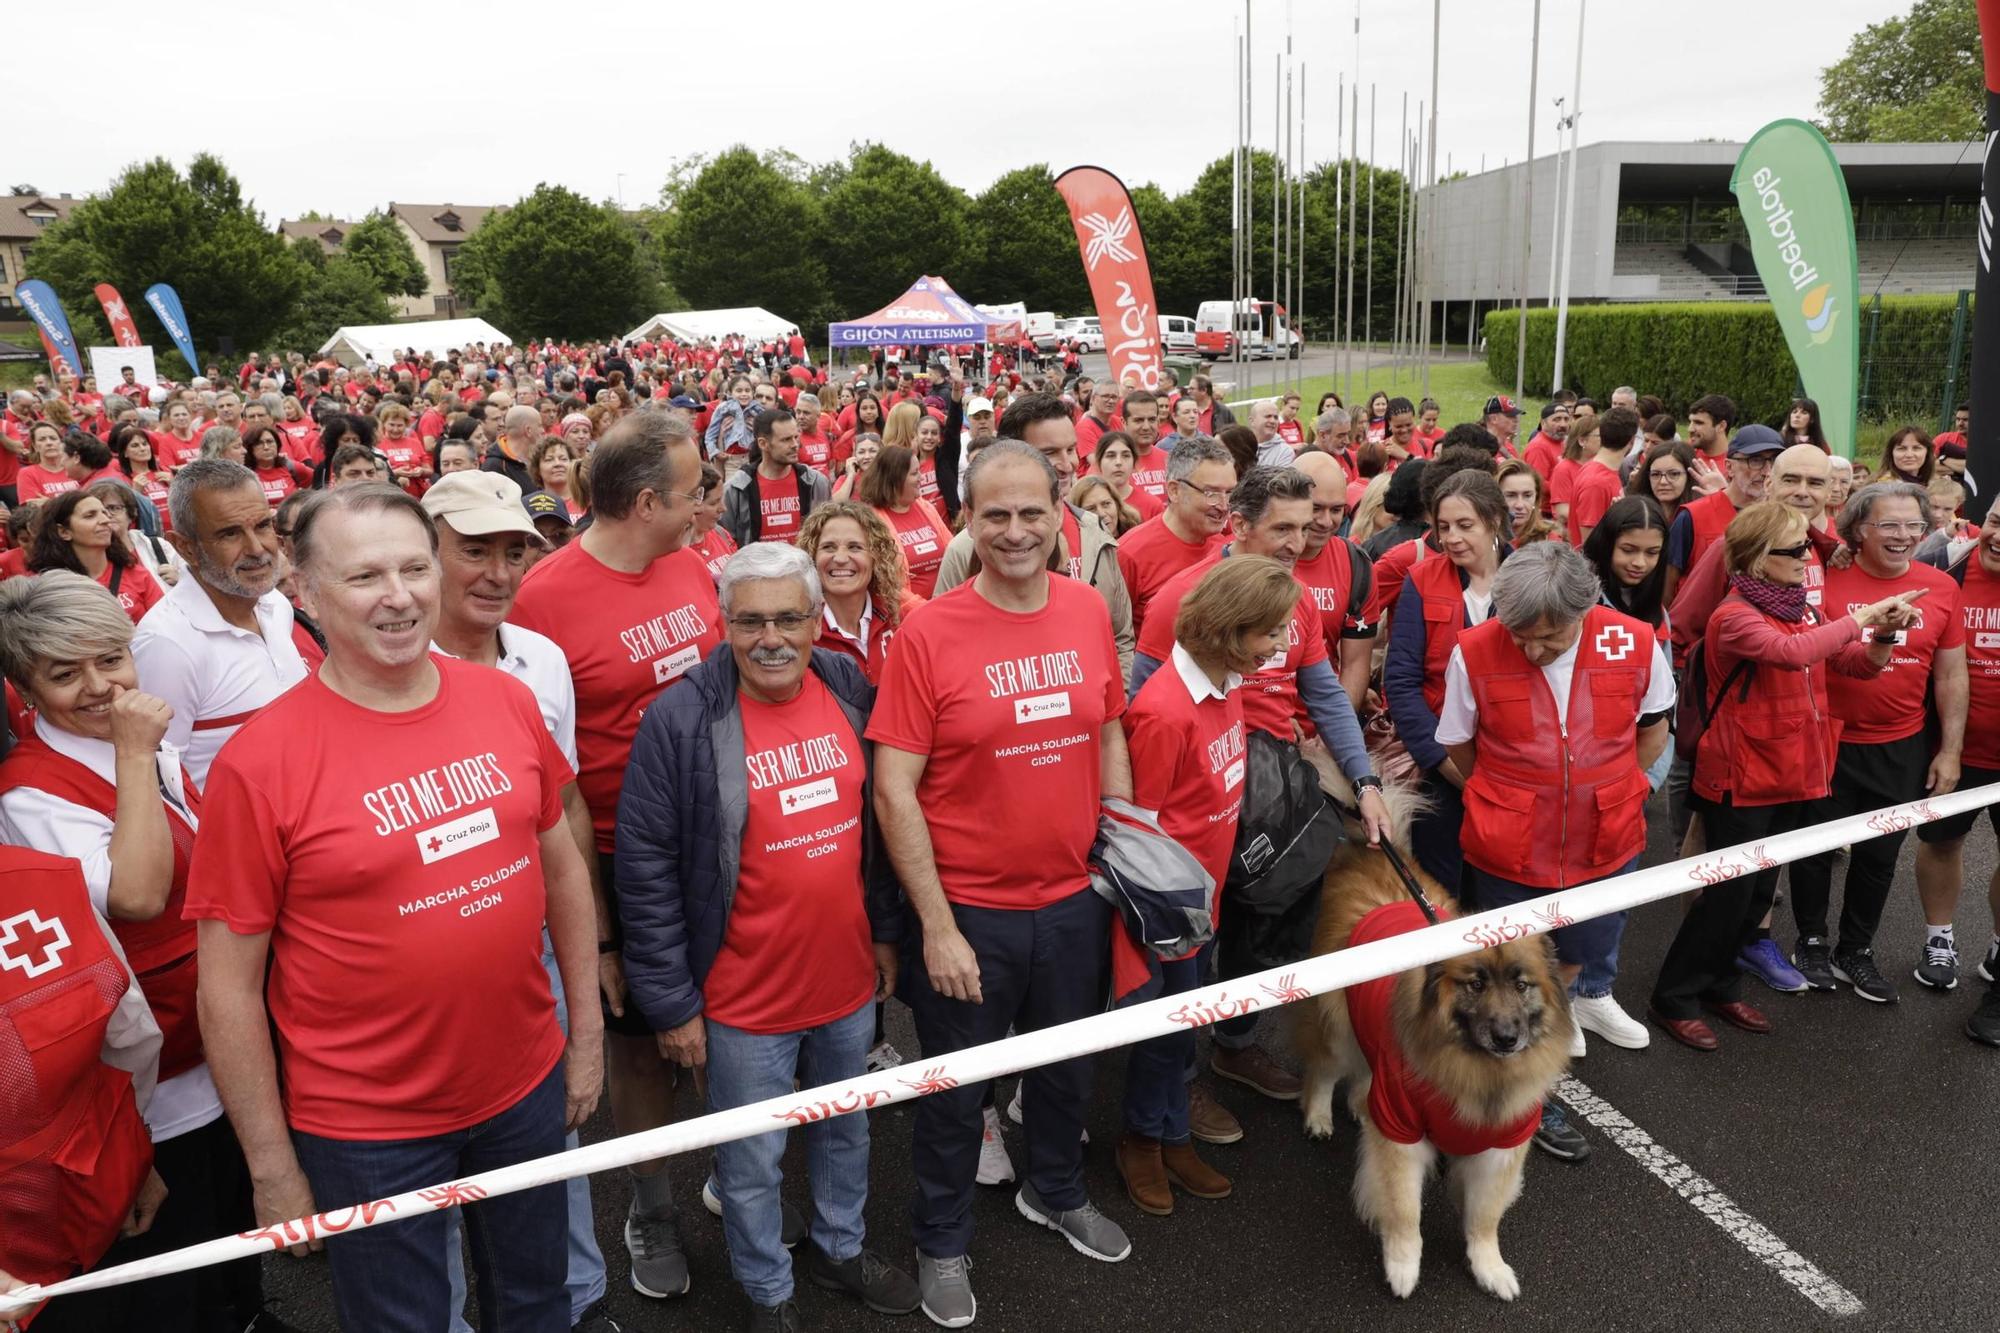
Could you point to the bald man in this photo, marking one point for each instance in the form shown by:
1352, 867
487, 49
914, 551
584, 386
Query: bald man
520, 432
1339, 575
1802, 477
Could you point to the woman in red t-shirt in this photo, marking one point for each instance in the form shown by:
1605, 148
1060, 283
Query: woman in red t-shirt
301, 435
47, 475
75, 533
132, 447
860, 568
863, 450
1113, 459
552, 468
409, 461
711, 541
892, 488
1186, 736
267, 459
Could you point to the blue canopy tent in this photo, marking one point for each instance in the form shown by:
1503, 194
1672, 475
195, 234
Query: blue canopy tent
930, 312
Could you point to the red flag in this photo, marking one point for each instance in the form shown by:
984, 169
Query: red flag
123, 331
1114, 255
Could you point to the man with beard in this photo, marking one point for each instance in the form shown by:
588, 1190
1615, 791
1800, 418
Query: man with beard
219, 645
1546, 449
1200, 473
1141, 411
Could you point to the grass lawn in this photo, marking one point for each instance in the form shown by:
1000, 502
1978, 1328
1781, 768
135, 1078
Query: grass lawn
1460, 387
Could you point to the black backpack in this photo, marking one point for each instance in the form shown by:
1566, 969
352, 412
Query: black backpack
1286, 834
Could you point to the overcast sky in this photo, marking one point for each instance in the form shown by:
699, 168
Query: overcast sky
344, 107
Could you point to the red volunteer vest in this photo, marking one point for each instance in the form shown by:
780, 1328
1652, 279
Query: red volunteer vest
1437, 583
73, 1148
1710, 515
161, 951
1552, 804
1776, 744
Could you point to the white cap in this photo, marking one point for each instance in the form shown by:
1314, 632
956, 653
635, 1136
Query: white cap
977, 404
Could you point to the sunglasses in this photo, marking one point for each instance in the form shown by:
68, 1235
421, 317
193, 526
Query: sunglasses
1794, 552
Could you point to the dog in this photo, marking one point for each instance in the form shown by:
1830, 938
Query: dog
1466, 1051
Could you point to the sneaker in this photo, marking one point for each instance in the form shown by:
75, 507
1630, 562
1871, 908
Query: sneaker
945, 1290
866, 1277
791, 1222
659, 1268
1815, 964
1989, 966
995, 1166
1209, 1120
1939, 970
1254, 1068
1764, 960
1089, 1232
1557, 1137
1984, 1025
883, 1056
780, 1318
1857, 968
1600, 1014
1578, 1048
597, 1319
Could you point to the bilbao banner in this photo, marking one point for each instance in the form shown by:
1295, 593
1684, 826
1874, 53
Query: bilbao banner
39, 300
1114, 255
1794, 204
123, 331
1982, 454
166, 303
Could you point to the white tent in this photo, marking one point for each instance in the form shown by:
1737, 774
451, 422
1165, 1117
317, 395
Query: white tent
753, 322
359, 342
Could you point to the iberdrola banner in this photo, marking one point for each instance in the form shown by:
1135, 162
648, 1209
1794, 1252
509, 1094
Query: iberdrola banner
1794, 203
1114, 255
40, 301
166, 304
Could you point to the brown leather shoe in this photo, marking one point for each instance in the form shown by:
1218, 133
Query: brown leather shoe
1740, 1015
1254, 1068
1691, 1032
1191, 1173
1208, 1119
1144, 1174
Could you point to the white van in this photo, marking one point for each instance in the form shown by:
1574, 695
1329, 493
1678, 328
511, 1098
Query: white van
1177, 333
1262, 325
1040, 325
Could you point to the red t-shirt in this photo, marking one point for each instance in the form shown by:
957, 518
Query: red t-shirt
1403, 1106
778, 506
1544, 456
927, 482
1329, 577
36, 482
1072, 531
714, 550
171, 450
1188, 765
1148, 556
1597, 488
302, 440
922, 535
430, 426
1562, 485
1008, 707
627, 637
816, 451
277, 483
156, 490
1271, 696
137, 589
409, 452
796, 953
395, 860
1149, 474
1981, 602
1890, 706
1147, 505
1290, 433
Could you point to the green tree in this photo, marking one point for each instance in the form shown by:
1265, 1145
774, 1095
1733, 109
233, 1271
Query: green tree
557, 265
339, 291
740, 232
236, 277
1023, 246
1915, 78
889, 221
383, 251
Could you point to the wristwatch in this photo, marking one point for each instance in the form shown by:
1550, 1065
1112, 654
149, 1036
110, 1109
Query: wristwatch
1367, 782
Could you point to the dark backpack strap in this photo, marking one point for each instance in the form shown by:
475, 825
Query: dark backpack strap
117, 577
1360, 582
1743, 668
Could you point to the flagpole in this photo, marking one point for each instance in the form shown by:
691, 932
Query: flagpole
1527, 213
1437, 21
1368, 288
1402, 217
1569, 205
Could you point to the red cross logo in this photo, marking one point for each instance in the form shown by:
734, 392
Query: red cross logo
32, 945
1021, 709
1615, 643
435, 842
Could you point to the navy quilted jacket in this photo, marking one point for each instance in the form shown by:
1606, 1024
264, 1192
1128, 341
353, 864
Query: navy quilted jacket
680, 832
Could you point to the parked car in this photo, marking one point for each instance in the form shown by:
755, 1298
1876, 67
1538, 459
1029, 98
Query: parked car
1082, 332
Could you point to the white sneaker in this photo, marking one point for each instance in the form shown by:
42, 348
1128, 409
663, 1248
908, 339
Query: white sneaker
883, 1056
995, 1166
1576, 1047
1601, 1014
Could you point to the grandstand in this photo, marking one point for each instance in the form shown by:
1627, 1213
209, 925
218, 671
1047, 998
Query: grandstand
1656, 222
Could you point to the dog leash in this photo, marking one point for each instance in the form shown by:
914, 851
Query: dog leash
1409, 880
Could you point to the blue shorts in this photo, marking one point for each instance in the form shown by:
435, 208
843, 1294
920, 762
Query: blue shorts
1585, 942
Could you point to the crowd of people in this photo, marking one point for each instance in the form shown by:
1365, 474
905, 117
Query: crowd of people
350, 706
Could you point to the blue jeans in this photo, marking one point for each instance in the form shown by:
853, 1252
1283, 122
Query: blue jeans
586, 1261
1156, 1093
392, 1278
1590, 945
745, 1067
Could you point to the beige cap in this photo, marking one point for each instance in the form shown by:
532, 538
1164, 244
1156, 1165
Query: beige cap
478, 504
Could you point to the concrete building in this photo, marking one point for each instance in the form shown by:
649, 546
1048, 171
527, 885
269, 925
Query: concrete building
1656, 222
22, 218
436, 231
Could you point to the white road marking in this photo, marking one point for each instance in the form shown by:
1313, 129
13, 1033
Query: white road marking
1709, 1201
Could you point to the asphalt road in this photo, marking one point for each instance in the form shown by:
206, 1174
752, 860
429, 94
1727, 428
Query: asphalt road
1862, 1136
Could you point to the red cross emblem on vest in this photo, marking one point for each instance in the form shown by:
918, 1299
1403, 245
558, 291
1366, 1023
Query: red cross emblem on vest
32, 945
1615, 643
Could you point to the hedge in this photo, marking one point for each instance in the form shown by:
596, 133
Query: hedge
1682, 351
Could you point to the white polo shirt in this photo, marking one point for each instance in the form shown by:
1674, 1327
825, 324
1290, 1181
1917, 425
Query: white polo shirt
214, 675
537, 662
35, 819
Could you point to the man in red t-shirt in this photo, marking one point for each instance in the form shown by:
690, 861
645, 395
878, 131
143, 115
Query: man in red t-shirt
769, 499
1884, 757
1941, 845
379, 851
1141, 411
1338, 575
633, 611
1545, 450
1200, 474
815, 446
998, 713
1598, 484
773, 952
1701, 522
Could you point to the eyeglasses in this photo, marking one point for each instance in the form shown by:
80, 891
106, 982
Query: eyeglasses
1793, 552
1912, 529
788, 622
1212, 494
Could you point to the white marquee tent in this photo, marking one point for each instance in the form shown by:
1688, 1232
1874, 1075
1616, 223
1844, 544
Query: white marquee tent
357, 343
753, 322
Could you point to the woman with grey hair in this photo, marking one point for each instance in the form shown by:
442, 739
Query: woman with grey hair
223, 442
1553, 710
